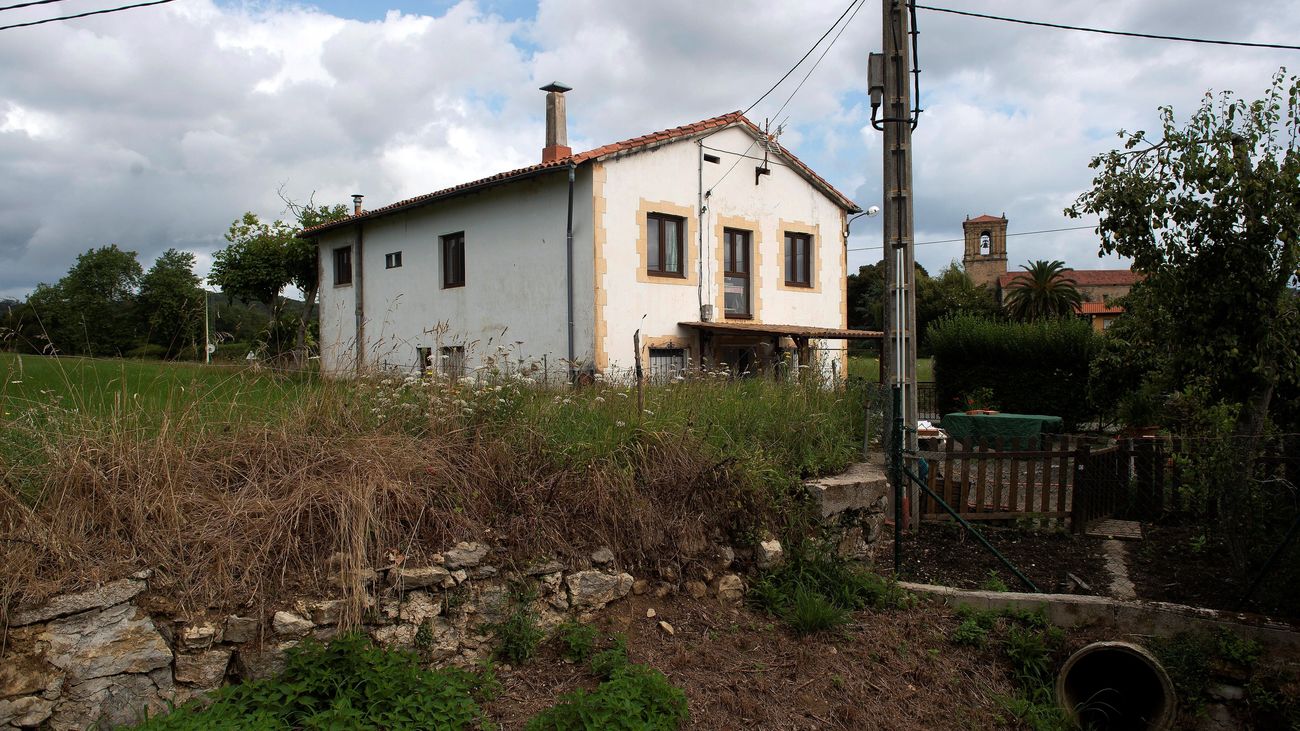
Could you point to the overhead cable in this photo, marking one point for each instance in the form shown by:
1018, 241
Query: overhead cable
29, 4
950, 241
804, 58
1149, 36
85, 15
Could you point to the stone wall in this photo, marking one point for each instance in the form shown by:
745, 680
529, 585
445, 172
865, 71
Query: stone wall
100, 657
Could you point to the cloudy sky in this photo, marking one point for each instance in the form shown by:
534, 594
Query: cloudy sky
155, 128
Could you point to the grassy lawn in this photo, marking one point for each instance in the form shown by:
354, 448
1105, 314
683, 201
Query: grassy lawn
867, 366
105, 387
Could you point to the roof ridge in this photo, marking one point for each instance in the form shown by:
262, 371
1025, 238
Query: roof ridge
628, 145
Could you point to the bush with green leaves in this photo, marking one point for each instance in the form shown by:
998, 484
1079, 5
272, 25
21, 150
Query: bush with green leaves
814, 590
577, 640
1030, 368
634, 698
350, 683
518, 636
1028, 642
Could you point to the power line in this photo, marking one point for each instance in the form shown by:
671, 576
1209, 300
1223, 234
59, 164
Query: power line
1151, 36
29, 4
85, 15
818, 62
834, 25
804, 58
949, 241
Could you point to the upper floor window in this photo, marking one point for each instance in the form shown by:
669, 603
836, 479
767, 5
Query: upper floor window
393, 260
342, 266
798, 259
665, 256
735, 270
453, 260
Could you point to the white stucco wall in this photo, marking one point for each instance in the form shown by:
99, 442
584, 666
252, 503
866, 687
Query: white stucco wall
514, 279
781, 201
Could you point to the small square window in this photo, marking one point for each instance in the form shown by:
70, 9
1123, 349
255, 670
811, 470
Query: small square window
798, 260
343, 266
453, 260
452, 359
666, 363
393, 260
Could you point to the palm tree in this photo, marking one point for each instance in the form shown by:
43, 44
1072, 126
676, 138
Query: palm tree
1044, 290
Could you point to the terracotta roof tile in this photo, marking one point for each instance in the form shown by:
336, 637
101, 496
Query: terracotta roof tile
1087, 277
1098, 308
986, 218
628, 145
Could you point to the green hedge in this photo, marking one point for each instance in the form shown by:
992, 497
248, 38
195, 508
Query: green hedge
1029, 368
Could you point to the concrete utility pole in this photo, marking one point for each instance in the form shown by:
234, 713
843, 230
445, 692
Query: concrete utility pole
889, 82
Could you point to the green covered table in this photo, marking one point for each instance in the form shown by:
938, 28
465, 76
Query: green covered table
1022, 431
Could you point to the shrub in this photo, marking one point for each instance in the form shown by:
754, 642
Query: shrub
577, 640
635, 698
518, 635
814, 590
1031, 368
607, 663
350, 683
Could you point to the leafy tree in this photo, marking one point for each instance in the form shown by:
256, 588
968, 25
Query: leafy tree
1210, 212
951, 293
1044, 290
91, 310
303, 255
171, 302
257, 266
264, 258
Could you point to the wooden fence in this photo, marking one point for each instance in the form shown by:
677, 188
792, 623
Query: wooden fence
989, 482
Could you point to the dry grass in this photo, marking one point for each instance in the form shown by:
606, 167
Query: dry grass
229, 513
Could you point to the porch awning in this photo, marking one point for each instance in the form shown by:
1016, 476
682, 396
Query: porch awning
734, 327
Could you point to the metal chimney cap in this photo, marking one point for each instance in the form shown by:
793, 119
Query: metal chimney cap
557, 87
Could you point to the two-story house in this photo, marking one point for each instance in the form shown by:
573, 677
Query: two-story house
709, 242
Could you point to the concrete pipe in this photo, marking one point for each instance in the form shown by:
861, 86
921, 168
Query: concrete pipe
1116, 685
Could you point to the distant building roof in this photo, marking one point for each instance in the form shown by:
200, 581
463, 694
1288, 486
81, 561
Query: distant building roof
634, 144
986, 218
1099, 308
1086, 277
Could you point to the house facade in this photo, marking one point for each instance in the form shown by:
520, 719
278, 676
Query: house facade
706, 243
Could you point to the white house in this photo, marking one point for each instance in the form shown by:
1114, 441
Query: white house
711, 240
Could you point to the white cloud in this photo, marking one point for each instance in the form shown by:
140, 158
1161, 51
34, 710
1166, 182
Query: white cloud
157, 127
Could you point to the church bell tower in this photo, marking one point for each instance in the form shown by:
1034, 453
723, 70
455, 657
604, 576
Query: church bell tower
986, 249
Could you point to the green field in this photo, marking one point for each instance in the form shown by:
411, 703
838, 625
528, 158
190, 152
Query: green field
867, 367
104, 387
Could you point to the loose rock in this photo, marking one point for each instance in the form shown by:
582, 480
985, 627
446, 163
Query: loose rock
731, 589
602, 557
768, 553
668, 628
288, 624
204, 669
595, 589
465, 555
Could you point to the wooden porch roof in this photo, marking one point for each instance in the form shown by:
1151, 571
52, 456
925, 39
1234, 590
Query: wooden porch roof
795, 331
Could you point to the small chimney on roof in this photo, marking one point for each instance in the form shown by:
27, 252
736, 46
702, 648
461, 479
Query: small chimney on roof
557, 135
356, 204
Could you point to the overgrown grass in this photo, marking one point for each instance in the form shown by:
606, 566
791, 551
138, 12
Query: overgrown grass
814, 591
349, 684
229, 504
1031, 647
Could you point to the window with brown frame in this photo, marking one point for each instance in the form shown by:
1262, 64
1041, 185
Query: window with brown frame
343, 266
453, 260
665, 238
735, 273
798, 259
